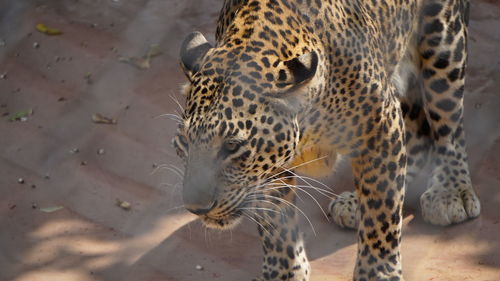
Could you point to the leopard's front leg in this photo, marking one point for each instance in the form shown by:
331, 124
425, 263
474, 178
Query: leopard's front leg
276, 215
379, 172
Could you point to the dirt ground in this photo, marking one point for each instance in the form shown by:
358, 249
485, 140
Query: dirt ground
63, 159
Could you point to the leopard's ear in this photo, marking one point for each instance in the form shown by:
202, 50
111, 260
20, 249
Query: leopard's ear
193, 49
302, 68
292, 80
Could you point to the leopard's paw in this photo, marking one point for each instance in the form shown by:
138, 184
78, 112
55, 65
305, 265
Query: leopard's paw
444, 207
343, 210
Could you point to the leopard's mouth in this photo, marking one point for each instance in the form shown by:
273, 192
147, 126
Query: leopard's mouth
224, 217
223, 222
227, 218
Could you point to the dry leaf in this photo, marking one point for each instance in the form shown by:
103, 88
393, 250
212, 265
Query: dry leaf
47, 30
21, 115
101, 119
143, 62
154, 50
51, 209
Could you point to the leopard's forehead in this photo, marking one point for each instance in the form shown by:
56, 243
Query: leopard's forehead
227, 97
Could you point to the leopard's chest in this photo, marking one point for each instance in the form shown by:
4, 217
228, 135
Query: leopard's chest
314, 156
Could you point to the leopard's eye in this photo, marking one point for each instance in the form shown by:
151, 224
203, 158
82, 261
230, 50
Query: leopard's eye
231, 146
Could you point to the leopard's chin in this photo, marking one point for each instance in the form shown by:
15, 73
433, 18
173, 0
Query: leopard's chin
222, 223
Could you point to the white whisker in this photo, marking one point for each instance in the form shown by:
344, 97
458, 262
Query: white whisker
173, 117
167, 167
312, 197
257, 201
294, 206
181, 171
254, 220
176, 101
321, 191
258, 208
296, 166
206, 243
175, 208
264, 220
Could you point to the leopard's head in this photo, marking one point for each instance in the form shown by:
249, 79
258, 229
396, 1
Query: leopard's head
239, 123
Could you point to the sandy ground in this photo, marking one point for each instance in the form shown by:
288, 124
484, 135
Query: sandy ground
65, 79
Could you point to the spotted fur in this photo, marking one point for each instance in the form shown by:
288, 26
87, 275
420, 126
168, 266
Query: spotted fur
291, 84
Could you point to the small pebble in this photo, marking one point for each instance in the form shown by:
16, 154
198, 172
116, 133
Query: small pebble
125, 205
100, 151
74, 151
199, 267
36, 45
20, 180
154, 165
3, 76
33, 186
47, 176
34, 205
83, 163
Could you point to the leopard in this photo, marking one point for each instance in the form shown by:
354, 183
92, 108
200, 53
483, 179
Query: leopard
289, 86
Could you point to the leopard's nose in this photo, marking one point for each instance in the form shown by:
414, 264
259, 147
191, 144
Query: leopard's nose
200, 210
